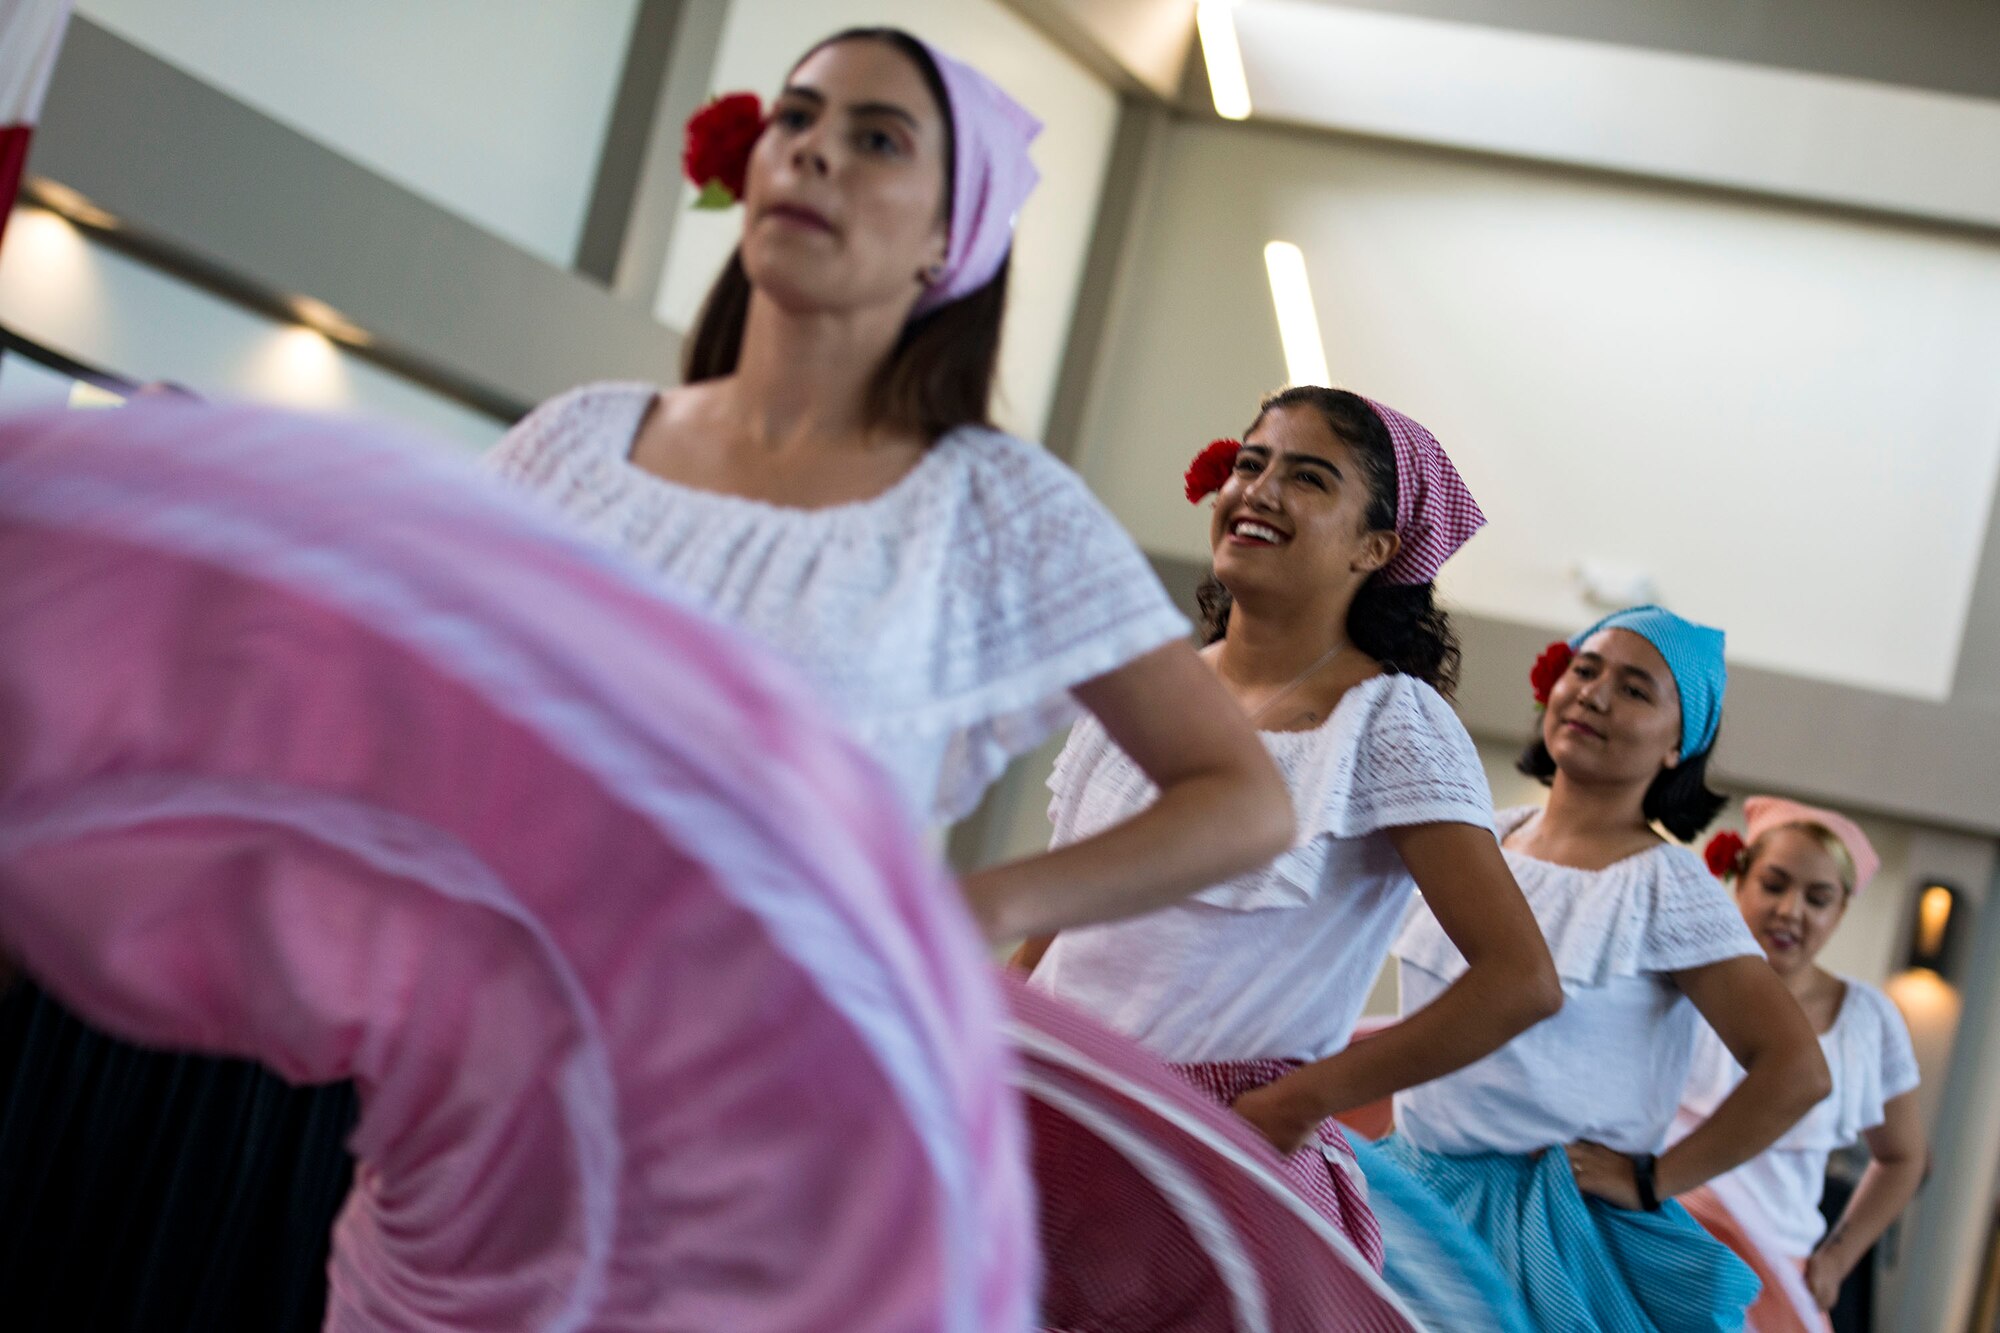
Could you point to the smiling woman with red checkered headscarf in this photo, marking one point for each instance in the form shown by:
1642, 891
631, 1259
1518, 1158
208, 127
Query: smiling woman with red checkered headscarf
1329, 524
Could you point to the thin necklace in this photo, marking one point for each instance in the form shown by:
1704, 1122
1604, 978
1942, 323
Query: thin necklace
1296, 681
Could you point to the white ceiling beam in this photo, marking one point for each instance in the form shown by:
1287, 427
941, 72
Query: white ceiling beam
1821, 138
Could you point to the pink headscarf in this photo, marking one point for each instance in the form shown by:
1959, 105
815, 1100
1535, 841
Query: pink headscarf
991, 178
1435, 513
1763, 813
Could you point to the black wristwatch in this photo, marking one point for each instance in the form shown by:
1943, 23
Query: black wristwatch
1642, 1176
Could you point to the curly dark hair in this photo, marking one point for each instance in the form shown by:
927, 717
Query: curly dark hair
1399, 625
1679, 799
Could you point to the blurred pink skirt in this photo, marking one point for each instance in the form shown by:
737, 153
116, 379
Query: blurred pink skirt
319, 749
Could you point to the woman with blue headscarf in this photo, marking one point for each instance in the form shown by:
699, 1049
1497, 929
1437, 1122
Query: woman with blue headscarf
1550, 1150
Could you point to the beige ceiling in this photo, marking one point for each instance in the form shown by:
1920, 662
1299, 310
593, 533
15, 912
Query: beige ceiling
1855, 472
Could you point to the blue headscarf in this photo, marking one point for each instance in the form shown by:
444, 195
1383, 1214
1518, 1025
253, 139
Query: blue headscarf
1694, 655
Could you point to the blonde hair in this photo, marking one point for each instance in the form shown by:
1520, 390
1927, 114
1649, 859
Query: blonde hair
1843, 859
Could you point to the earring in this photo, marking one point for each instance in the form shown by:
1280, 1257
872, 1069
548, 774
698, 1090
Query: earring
932, 275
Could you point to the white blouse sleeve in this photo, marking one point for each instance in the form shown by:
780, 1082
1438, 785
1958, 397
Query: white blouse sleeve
1692, 922
1070, 779
1045, 592
538, 452
1405, 759
1393, 755
527, 452
1877, 1050
1899, 1055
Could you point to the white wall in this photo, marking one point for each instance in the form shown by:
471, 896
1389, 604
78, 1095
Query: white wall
495, 109
1791, 419
761, 41
69, 293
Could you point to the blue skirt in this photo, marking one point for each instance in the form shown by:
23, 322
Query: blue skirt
1571, 1264
1443, 1272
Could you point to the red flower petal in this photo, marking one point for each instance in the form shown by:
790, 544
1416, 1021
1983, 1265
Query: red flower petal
1549, 669
1724, 854
716, 148
1211, 469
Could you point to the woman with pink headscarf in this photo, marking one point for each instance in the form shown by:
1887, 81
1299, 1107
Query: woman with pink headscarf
827, 479
1794, 878
1329, 524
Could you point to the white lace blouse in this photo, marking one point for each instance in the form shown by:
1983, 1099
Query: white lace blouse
1611, 1065
945, 620
1278, 962
1869, 1053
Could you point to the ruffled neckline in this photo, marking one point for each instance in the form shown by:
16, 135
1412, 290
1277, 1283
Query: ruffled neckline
1390, 752
617, 453
1650, 913
1357, 696
1510, 822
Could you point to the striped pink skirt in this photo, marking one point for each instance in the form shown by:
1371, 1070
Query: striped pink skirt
1164, 1212
1324, 1172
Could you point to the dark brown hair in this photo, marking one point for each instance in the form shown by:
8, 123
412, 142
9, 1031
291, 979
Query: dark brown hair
940, 374
1678, 799
1399, 625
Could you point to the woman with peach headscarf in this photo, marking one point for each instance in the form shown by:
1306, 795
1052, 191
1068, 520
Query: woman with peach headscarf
1794, 877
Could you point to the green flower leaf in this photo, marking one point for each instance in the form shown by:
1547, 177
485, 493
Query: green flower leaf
715, 197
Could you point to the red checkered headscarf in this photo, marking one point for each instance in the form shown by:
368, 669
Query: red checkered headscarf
1435, 513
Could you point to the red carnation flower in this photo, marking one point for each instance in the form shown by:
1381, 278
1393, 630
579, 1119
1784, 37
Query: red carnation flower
716, 152
1549, 669
1210, 469
1724, 854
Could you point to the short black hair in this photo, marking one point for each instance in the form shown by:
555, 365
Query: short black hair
1679, 799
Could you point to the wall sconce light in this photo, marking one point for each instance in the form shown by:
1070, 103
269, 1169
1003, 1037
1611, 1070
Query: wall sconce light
85, 395
61, 199
323, 318
1934, 932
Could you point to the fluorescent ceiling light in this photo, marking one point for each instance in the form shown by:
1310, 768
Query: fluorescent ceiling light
1224, 58
1298, 323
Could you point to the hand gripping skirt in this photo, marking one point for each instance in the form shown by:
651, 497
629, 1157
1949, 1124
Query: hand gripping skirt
1577, 1265
1324, 1172
1163, 1212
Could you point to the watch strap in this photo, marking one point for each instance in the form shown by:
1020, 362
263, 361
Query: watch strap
1644, 1168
